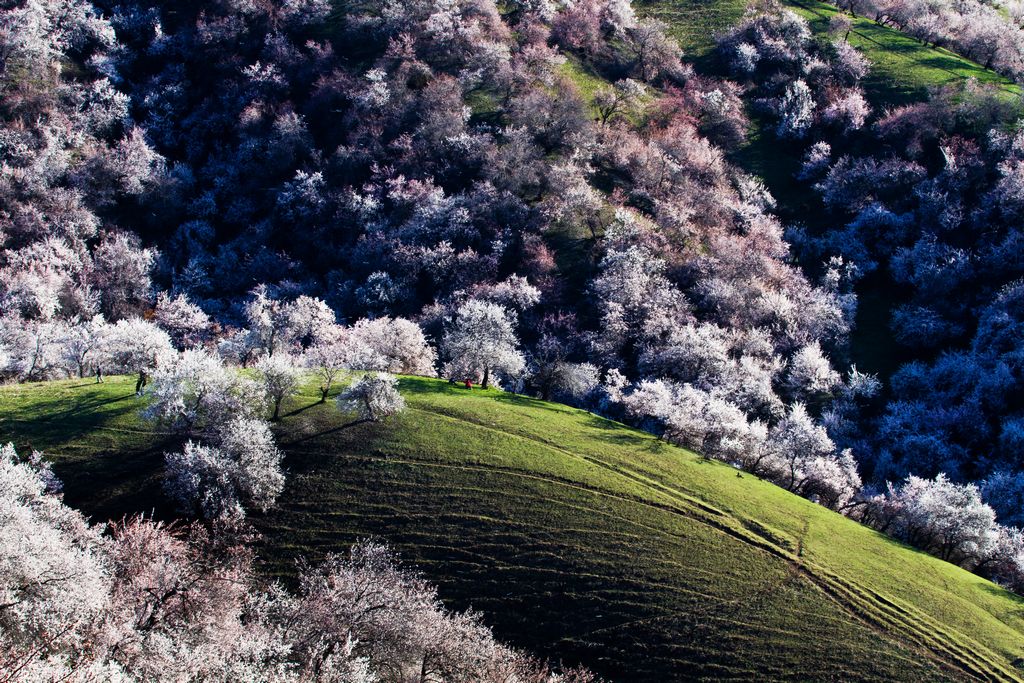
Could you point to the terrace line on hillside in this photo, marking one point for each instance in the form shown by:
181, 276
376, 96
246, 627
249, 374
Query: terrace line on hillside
576, 536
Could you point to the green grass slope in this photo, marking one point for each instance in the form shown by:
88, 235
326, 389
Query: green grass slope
903, 68
575, 536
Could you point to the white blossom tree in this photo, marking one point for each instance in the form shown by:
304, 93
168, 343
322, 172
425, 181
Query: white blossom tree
242, 469
194, 394
372, 397
330, 360
53, 589
848, 111
186, 323
137, 346
256, 459
572, 381
268, 320
36, 280
796, 110
947, 519
280, 378
120, 273
515, 293
33, 348
482, 341
656, 54
82, 343
308, 321
399, 342
696, 419
794, 443
239, 346
810, 376
200, 478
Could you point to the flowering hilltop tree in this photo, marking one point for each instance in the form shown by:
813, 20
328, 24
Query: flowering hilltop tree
275, 324
329, 359
187, 323
308, 321
195, 394
81, 342
695, 419
280, 379
243, 469
373, 397
51, 575
268, 321
795, 442
399, 343
942, 517
482, 340
137, 345
34, 348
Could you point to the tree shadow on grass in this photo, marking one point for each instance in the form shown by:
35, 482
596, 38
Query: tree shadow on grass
114, 484
302, 409
62, 407
531, 402
50, 423
427, 385
325, 432
1005, 594
622, 435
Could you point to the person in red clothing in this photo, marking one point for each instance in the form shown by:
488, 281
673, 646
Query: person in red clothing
469, 384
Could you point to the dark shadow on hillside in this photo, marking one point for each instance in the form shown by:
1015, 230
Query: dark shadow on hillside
523, 563
1004, 594
621, 435
111, 485
58, 408
428, 386
323, 433
953, 67
48, 423
303, 409
530, 402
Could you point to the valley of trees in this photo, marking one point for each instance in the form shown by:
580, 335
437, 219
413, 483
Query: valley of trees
225, 198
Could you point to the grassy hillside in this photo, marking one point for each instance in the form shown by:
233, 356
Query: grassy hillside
902, 67
903, 70
575, 536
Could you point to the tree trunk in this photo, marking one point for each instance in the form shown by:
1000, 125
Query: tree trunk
277, 409
487, 377
323, 393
